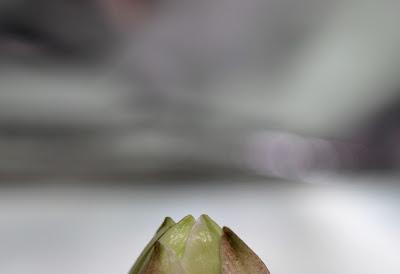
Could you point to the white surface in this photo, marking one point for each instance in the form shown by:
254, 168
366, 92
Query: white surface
296, 228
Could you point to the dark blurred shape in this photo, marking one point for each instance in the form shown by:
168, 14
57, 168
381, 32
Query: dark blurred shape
62, 28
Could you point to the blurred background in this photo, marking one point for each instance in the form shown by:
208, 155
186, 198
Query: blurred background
280, 118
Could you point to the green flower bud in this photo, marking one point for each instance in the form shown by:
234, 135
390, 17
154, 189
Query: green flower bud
197, 247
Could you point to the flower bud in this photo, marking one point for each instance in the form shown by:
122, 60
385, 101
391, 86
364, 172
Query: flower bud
197, 247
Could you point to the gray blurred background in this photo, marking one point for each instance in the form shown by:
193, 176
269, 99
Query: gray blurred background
114, 113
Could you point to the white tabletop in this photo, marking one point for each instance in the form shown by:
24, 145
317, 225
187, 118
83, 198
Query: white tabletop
336, 226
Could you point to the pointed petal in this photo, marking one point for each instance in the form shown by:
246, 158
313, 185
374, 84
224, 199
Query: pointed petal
175, 238
237, 257
212, 226
168, 223
162, 260
202, 248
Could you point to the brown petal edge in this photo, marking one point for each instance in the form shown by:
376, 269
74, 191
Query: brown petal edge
237, 257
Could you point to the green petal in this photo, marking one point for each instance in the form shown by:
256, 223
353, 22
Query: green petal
168, 223
202, 248
175, 238
237, 257
162, 260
